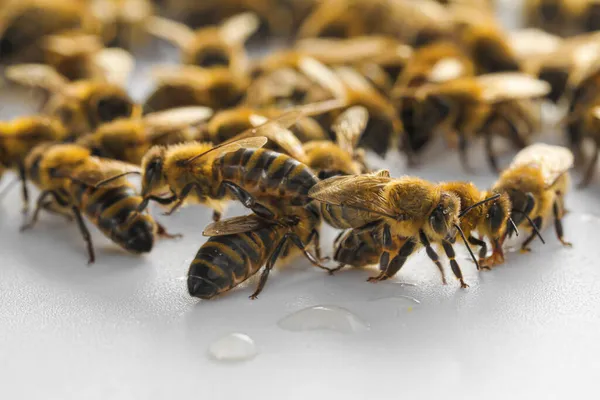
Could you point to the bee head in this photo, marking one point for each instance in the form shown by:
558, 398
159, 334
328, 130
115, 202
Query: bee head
109, 105
153, 178
496, 214
444, 216
212, 56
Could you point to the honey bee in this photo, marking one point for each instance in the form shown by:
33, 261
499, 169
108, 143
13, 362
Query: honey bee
66, 174
329, 158
563, 17
413, 212
80, 56
485, 41
188, 85
19, 136
481, 106
536, 182
129, 140
24, 23
81, 106
350, 87
123, 21
216, 46
204, 174
239, 247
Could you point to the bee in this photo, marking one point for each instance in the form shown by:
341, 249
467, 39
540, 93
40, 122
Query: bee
79, 56
485, 41
216, 46
188, 85
81, 106
123, 21
350, 87
329, 158
24, 23
478, 106
130, 139
563, 17
19, 136
536, 182
412, 211
206, 174
239, 247
67, 176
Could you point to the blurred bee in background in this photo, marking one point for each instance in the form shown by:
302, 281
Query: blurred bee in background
79, 56
413, 212
484, 106
19, 136
536, 182
211, 47
239, 247
188, 85
130, 139
81, 106
67, 176
24, 22
563, 17
484, 40
123, 21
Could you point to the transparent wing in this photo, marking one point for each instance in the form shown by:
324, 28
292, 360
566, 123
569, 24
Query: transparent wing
174, 32
283, 137
69, 44
237, 29
349, 126
116, 65
36, 75
230, 146
552, 160
323, 76
235, 225
503, 86
178, 117
99, 172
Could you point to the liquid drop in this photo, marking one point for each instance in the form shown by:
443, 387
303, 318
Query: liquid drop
233, 347
331, 318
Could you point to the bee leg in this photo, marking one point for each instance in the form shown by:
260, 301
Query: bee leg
558, 225
315, 237
50, 207
453, 264
85, 233
525, 246
24, 190
483, 247
162, 232
493, 163
591, 169
315, 260
270, 264
397, 262
41, 201
248, 201
432, 254
185, 192
338, 238
463, 145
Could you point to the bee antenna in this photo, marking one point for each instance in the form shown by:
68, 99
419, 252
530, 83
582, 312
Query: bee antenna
466, 210
462, 235
535, 229
114, 178
513, 226
8, 188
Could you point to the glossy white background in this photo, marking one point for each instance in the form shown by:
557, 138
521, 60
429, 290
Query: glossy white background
126, 328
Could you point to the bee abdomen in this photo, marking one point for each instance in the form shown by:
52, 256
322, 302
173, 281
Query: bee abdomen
223, 262
270, 172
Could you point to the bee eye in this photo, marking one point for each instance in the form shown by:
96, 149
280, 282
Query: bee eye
112, 107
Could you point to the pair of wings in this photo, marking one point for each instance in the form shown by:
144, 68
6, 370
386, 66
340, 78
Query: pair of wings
553, 161
234, 30
99, 172
361, 192
230, 226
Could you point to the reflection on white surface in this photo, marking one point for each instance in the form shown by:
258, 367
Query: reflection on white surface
233, 347
331, 318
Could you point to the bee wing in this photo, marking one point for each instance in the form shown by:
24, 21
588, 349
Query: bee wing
105, 11
321, 107
175, 32
71, 44
237, 29
230, 146
178, 117
278, 134
349, 126
353, 79
446, 69
532, 42
36, 75
230, 226
362, 192
181, 74
116, 64
136, 11
346, 50
552, 160
323, 76
503, 86
105, 173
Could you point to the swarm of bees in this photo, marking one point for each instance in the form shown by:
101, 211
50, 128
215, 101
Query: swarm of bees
288, 134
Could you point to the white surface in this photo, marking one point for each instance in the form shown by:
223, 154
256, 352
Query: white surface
126, 328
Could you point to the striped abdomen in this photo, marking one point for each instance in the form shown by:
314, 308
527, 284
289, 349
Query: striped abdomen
267, 173
360, 247
223, 262
109, 209
345, 217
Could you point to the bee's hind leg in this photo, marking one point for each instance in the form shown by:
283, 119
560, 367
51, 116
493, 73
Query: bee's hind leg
558, 225
397, 262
